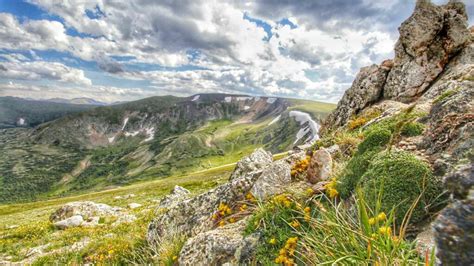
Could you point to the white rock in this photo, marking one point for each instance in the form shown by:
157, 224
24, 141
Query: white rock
72, 221
134, 205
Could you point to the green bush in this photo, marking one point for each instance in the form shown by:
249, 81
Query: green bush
357, 166
399, 178
374, 140
412, 129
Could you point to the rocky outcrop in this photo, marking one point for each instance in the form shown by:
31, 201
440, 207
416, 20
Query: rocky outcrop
365, 90
194, 215
177, 195
85, 213
273, 180
454, 233
430, 39
255, 161
219, 246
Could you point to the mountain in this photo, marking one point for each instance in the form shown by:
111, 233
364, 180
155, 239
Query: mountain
18, 112
150, 138
82, 100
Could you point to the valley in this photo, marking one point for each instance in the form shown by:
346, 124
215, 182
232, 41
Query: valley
113, 146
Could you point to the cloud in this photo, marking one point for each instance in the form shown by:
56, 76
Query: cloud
207, 46
39, 70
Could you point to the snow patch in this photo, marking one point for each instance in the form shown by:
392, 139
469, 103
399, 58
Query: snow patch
246, 107
271, 100
125, 121
21, 121
151, 134
111, 139
242, 98
310, 126
257, 98
228, 99
196, 97
133, 134
275, 120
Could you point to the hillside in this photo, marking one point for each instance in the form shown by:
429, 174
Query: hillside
156, 137
18, 112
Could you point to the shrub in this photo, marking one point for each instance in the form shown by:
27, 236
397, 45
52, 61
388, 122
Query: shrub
359, 163
399, 179
376, 139
412, 129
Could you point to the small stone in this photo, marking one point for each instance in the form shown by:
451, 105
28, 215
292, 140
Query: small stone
72, 221
134, 205
320, 167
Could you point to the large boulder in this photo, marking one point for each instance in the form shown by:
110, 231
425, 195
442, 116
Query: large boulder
365, 90
273, 180
177, 195
429, 38
223, 245
255, 161
454, 233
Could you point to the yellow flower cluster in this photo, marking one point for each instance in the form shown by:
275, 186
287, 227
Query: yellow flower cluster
222, 211
286, 254
385, 230
243, 207
295, 224
300, 166
250, 197
331, 188
379, 218
307, 214
283, 200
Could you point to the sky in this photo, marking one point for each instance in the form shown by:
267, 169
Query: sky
112, 50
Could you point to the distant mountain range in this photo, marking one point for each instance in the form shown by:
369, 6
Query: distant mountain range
76, 147
82, 100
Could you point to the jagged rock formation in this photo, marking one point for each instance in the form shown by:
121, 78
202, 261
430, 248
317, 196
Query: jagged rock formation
429, 39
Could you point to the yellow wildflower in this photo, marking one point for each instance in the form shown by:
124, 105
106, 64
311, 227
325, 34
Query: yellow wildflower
175, 258
385, 230
381, 217
272, 241
307, 209
372, 221
232, 220
295, 223
222, 223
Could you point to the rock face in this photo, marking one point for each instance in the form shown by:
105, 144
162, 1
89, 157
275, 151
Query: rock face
429, 40
193, 216
219, 246
255, 161
273, 180
320, 167
177, 195
454, 233
366, 89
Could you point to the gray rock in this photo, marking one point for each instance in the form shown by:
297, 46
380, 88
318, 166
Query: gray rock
428, 39
320, 167
425, 243
91, 222
273, 180
73, 221
255, 161
177, 195
223, 245
454, 233
365, 90
460, 181
126, 218
85, 209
